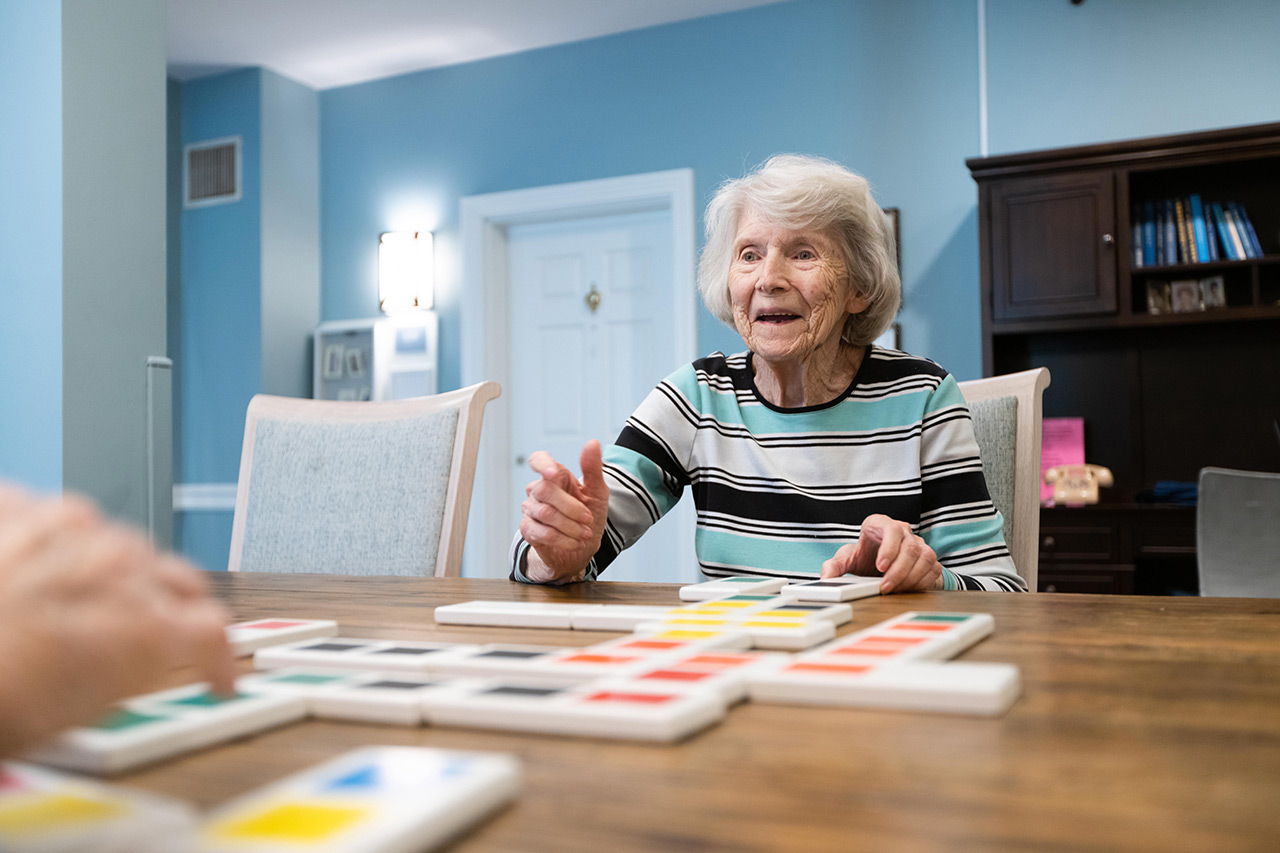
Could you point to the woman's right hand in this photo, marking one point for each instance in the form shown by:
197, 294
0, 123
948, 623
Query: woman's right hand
563, 518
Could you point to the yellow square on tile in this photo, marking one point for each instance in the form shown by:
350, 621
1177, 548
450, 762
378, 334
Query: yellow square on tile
29, 814
291, 822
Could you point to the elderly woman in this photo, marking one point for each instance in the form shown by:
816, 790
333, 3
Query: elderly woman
814, 451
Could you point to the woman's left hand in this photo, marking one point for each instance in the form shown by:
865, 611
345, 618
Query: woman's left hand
889, 548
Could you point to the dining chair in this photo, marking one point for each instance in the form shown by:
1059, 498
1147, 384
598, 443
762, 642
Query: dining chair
1238, 533
1007, 413
357, 488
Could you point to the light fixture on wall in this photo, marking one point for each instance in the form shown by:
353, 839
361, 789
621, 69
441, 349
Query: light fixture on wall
405, 271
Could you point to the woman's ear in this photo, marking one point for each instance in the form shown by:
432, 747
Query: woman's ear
856, 303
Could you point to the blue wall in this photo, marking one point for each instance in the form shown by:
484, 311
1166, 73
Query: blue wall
716, 95
218, 356
1065, 75
31, 243
220, 363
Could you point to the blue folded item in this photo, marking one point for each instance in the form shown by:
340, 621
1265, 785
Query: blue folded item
1171, 492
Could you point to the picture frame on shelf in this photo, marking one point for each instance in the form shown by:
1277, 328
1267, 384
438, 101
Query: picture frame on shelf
893, 221
1158, 301
1213, 292
333, 356
1185, 296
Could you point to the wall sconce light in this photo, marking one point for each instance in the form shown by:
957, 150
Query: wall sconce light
405, 271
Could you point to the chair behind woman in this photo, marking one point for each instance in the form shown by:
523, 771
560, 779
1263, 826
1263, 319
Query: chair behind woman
1007, 416
357, 488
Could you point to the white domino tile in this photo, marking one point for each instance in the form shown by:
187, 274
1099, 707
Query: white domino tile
724, 672
247, 637
44, 811
776, 633
844, 588
160, 725
913, 636
493, 660
353, 653
953, 687
721, 587
615, 617
518, 614
376, 698
606, 709
373, 800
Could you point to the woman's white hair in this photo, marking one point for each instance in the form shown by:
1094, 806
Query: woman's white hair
800, 192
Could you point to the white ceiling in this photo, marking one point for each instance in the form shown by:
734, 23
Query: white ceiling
326, 43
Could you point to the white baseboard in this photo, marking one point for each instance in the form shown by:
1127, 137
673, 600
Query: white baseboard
196, 497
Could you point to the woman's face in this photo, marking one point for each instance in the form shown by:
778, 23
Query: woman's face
788, 289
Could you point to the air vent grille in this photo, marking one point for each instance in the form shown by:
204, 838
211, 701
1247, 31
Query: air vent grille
212, 172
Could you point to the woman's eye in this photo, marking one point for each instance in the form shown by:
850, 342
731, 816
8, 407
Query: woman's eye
750, 255
806, 255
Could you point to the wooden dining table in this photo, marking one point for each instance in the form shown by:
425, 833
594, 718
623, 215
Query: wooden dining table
1144, 723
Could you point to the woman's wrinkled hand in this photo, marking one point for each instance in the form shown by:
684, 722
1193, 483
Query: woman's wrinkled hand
888, 547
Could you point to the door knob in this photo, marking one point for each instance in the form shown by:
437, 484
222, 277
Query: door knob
593, 299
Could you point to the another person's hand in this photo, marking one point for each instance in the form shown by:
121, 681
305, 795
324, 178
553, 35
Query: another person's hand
563, 518
90, 613
888, 548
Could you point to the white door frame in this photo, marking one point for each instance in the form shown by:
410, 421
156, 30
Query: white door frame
485, 220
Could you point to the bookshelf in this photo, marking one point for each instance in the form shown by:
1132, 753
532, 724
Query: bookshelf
1162, 395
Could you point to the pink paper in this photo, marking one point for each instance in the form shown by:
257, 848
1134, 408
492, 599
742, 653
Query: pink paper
1062, 443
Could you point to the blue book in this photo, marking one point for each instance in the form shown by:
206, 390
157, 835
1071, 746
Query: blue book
1161, 257
1243, 219
1238, 236
1136, 236
1197, 224
1224, 234
1170, 233
1148, 234
1210, 235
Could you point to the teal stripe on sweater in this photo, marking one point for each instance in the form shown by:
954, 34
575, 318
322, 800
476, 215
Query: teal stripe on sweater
733, 549
649, 474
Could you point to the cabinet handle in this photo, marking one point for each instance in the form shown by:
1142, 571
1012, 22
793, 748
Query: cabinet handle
1051, 588
1108, 240
1048, 543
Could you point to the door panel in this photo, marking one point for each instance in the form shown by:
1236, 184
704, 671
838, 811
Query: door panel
577, 373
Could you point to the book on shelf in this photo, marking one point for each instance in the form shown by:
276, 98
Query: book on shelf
1148, 234
1135, 235
1237, 235
1242, 217
1186, 254
1224, 233
1170, 233
1197, 227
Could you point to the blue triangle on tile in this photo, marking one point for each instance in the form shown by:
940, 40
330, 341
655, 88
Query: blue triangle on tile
365, 777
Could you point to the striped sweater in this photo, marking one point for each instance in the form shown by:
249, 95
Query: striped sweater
778, 491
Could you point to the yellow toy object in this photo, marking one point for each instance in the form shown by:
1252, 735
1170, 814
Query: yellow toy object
1077, 485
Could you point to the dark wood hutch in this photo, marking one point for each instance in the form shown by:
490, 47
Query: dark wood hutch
1162, 395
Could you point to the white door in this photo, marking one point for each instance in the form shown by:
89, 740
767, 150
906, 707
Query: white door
590, 337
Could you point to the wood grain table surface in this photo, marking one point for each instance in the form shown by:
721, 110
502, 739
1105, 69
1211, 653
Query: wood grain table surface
1145, 724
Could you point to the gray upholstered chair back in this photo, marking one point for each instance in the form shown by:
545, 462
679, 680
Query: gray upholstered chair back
357, 488
1238, 533
1007, 414
995, 426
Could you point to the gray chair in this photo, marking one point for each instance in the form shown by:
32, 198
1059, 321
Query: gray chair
1007, 415
357, 488
1238, 533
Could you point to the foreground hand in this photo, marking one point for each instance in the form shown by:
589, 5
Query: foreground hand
889, 548
90, 613
563, 518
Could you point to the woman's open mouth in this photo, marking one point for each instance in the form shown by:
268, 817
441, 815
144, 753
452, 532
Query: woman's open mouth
776, 318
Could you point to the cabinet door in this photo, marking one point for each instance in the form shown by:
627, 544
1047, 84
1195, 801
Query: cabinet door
1053, 246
